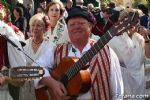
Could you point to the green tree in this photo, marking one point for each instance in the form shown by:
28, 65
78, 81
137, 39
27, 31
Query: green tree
5, 3
94, 2
136, 2
145, 2
148, 4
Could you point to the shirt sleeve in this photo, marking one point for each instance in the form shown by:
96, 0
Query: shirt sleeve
46, 61
116, 81
15, 56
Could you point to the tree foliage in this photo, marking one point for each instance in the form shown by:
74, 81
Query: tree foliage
136, 2
6, 3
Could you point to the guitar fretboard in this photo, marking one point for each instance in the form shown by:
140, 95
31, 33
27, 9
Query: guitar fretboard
76, 67
24, 72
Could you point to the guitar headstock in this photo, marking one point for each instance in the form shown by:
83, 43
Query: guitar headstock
24, 72
128, 19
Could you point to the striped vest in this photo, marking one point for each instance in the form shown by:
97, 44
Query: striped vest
99, 70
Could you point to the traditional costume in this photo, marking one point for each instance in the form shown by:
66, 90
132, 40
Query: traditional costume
59, 34
131, 54
10, 57
104, 68
45, 45
28, 89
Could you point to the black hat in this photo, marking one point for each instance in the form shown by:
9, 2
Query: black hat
79, 11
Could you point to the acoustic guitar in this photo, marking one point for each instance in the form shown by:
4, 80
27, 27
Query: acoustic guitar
24, 72
70, 71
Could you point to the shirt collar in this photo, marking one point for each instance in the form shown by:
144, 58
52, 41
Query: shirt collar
86, 48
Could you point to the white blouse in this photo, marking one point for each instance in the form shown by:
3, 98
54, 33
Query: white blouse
59, 34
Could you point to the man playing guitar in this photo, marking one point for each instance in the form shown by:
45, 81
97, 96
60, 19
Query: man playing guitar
98, 63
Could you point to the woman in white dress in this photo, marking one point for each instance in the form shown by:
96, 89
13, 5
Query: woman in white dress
57, 32
35, 47
37, 44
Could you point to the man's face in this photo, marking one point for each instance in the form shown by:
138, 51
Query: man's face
79, 29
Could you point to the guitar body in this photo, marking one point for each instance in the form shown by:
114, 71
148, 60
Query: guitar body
80, 83
41, 94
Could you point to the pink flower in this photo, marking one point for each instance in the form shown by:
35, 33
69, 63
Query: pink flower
1, 6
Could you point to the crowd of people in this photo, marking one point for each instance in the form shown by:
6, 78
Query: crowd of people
55, 35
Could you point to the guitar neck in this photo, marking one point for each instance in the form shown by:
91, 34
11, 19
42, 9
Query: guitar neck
24, 72
76, 67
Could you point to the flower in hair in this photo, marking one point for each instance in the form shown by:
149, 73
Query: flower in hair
1, 6
5, 18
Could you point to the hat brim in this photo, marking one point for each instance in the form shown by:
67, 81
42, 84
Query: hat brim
77, 15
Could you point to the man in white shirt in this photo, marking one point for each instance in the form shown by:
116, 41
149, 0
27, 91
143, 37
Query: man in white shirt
104, 68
